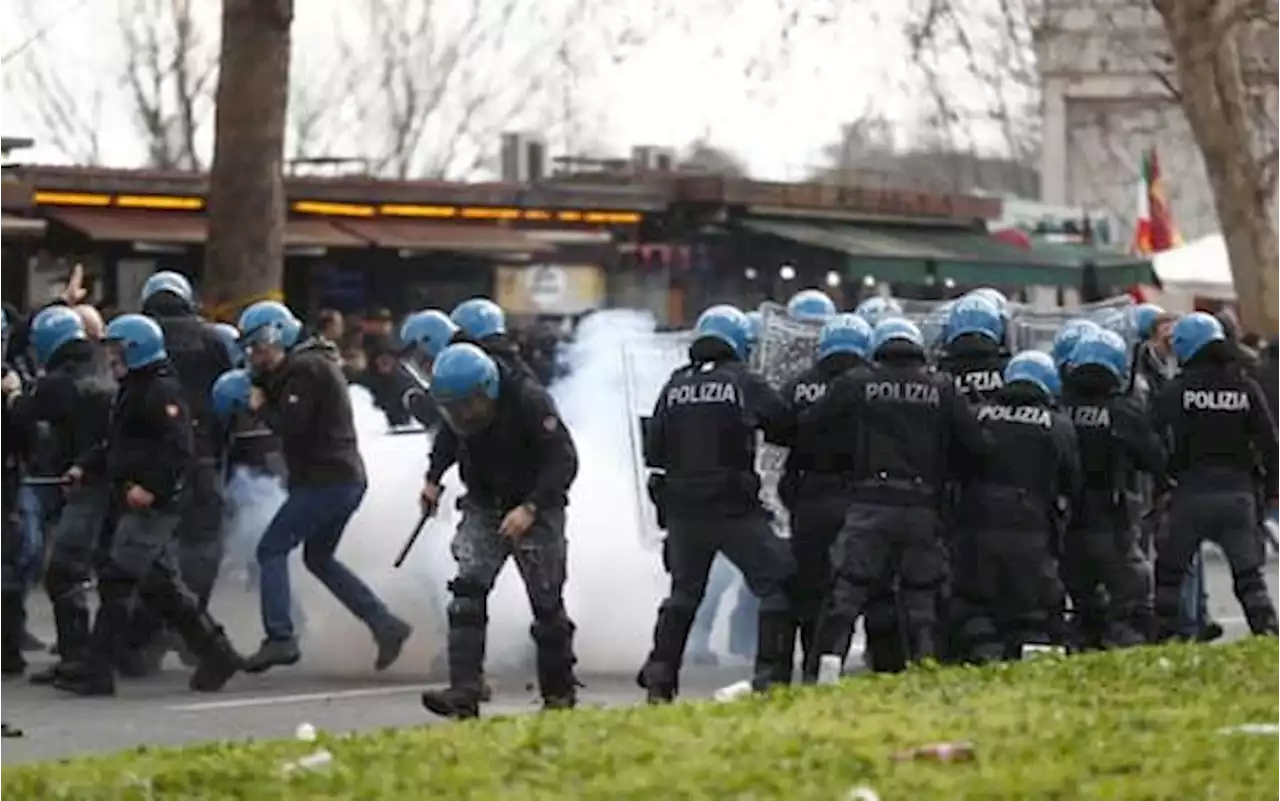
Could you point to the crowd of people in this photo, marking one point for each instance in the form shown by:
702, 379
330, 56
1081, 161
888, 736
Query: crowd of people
962, 501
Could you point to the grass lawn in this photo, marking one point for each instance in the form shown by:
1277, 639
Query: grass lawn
1140, 724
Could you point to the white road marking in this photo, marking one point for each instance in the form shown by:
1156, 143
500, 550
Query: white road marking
301, 698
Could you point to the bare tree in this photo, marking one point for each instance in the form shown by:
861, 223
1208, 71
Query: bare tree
1224, 52
67, 120
170, 68
244, 260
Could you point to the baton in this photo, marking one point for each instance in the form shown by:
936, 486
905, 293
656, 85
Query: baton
409, 429
417, 530
257, 433
46, 481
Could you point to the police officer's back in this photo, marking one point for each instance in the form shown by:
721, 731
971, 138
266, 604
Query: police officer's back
701, 443
1216, 419
1116, 440
1007, 588
975, 356
907, 431
815, 482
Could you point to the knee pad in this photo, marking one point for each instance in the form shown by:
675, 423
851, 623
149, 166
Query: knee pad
61, 579
552, 628
470, 606
1249, 584
681, 602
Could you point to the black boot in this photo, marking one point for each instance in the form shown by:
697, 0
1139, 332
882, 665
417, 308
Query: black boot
95, 674
775, 650
808, 631
453, 702
13, 625
273, 653
461, 699
219, 661
660, 682
555, 660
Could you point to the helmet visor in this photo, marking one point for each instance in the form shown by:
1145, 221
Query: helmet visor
469, 414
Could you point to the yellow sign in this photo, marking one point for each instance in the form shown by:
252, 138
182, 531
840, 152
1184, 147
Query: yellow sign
550, 288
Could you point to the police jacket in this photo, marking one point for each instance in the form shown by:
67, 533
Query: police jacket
525, 455
905, 429
309, 407
1032, 460
811, 464
702, 434
1115, 439
13, 444
149, 439
199, 357
69, 406
976, 364
1217, 424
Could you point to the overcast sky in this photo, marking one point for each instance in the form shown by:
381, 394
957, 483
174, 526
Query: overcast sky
686, 82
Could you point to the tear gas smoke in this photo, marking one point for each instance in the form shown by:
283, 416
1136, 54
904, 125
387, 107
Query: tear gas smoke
615, 582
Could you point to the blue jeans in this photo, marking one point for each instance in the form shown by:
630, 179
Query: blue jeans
35, 504
315, 518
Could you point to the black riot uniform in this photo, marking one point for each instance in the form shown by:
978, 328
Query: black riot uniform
815, 487
1006, 589
1216, 419
149, 444
525, 456
199, 357
504, 350
1101, 547
702, 437
908, 431
976, 364
72, 402
13, 611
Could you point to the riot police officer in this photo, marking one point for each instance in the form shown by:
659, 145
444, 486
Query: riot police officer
1101, 547
701, 446
199, 355
906, 431
975, 357
13, 610
74, 399
146, 458
815, 483
482, 322
1066, 339
812, 305
517, 461
424, 335
1006, 591
1216, 418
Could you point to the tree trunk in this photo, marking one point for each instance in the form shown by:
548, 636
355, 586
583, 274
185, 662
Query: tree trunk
1215, 98
244, 258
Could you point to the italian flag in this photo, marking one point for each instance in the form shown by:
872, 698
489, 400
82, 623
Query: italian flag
1155, 231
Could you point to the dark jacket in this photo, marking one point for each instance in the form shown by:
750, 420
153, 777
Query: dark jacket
199, 357
70, 406
309, 407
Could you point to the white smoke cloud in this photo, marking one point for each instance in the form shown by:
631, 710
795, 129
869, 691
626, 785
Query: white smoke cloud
615, 581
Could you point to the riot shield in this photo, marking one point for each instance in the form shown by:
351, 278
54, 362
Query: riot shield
647, 362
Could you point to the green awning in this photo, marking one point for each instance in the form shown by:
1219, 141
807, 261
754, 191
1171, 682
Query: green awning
904, 253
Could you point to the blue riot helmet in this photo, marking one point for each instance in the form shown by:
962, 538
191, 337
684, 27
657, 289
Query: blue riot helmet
52, 328
755, 322
1104, 349
175, 284
726, 324
1144, 319
480, 318
230, 394
464, 385
1034, 367
845, 333
136, 340
428, 332
895, 329
876, 308
268, 322
995, 297
1193, 332
811, 304
1067, 337
974, 314
230, 336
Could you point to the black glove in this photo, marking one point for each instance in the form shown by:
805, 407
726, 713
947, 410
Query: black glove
657, 487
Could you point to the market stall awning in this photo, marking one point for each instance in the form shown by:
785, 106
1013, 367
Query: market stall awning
428, 236
188, 229
907, 253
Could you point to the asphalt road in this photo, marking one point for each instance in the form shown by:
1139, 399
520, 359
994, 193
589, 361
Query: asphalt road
162, 711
